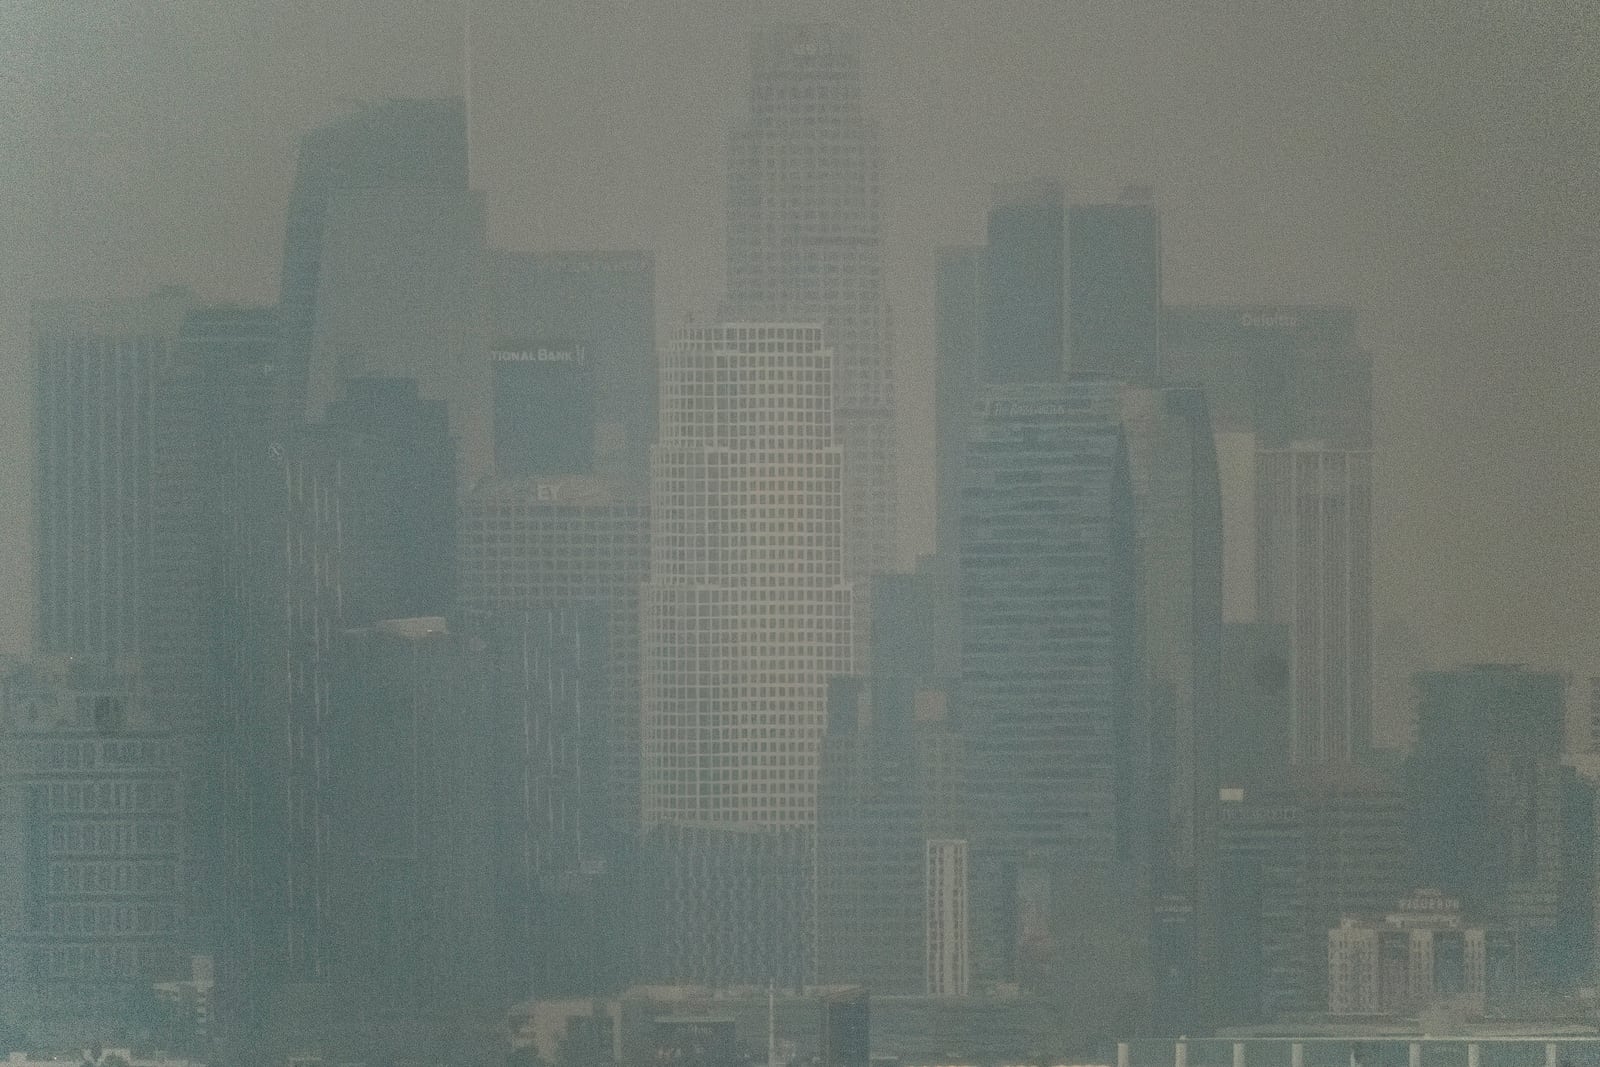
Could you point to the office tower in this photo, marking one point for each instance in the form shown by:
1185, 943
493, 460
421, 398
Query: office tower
1179, 528
1272, 376
92, 827
746, 618
1284, 373
1296, 858
332, 528
383, 264
543, 399
211, 395
412, 855
1049, 713
568, 544
1025, 285
889, 783
1049, 648
568, 924
747, 611
1487, 797
846, 1029
1114, 265
409, 143
95, 367
805, 244
1253, 732
1314, 575
728, 905
403, 502
595, 413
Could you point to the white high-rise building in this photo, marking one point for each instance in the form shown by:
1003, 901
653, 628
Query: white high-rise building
747, 613
805, 243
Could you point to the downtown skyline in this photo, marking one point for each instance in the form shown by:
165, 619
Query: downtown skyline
1294, 158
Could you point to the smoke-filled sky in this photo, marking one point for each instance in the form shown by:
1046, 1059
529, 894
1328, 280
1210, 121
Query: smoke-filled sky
1434, 162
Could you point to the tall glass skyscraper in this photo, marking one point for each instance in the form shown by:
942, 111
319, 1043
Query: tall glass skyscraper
1049, 649
383, 258
805, 244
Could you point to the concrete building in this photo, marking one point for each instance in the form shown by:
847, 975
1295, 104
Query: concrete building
747, 609
805, 244
1314, 575
1422, 953
746, 620
95, 371
92, 895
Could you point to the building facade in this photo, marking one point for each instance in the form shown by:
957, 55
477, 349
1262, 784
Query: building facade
805, 243
1418, 955
747, 610
95, 372
92, 902
599, 304
527, 545
1314, 575
1114, 253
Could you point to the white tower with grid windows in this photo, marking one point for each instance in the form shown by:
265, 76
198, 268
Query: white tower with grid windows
746, 614
805, 241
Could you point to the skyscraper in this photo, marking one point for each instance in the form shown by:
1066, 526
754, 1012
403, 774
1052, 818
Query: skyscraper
601, 304
747, 611
1049, 711
410, 142
96, 366
1486, 799
568, 544
805, 244
1314, 575
1049, 665
746, 619
1272, 375
1025, 284
1114, 257
1179, 519
383, 264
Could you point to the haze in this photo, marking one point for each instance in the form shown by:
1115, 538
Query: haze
1432, 162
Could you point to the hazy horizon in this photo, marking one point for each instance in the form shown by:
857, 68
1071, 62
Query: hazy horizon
1432, 164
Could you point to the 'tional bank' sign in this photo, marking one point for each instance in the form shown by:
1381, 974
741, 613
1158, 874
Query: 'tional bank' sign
540, 354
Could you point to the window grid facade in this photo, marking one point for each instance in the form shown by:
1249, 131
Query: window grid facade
805, 241
529, 547
746, 615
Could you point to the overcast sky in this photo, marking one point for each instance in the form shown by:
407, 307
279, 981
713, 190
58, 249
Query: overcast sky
1433, 162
